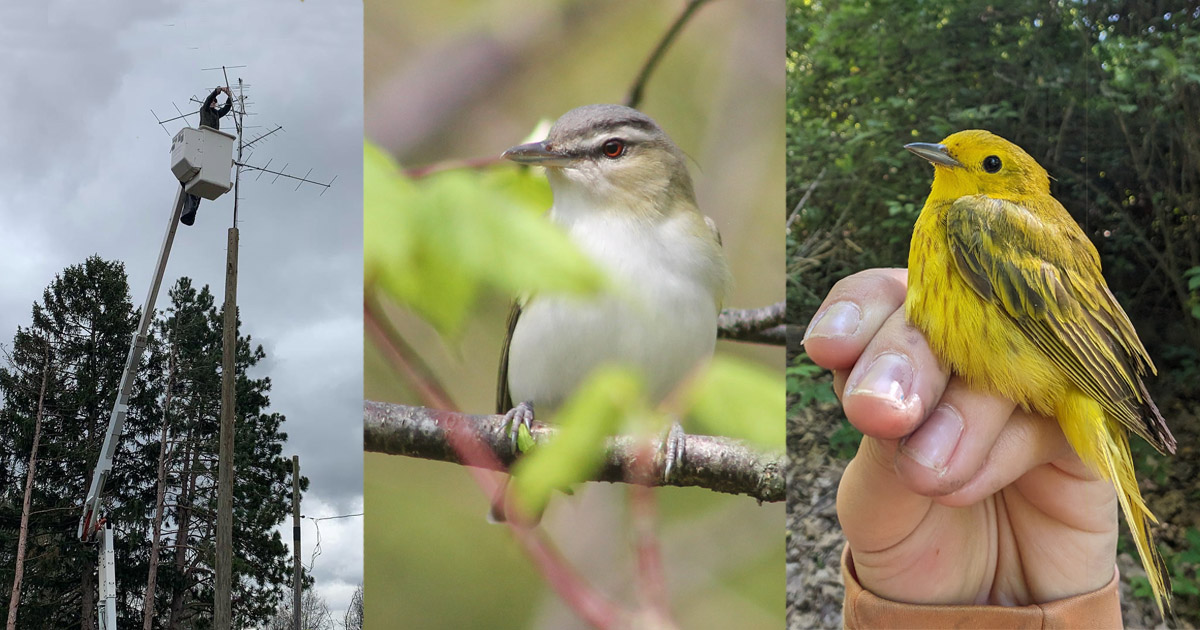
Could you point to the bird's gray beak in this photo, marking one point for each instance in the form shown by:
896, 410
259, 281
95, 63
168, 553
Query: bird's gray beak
936, 153
536, 154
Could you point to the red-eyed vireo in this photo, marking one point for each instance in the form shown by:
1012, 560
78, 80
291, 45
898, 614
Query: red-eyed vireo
623, 195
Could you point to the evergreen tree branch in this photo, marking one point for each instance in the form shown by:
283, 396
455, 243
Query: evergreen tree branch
716, 463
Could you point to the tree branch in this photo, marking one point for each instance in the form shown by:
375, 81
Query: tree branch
756, 325
804, 200
639, 84
716, 463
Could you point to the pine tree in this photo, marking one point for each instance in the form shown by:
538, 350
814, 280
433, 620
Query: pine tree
191, 333
87, 314
163, 484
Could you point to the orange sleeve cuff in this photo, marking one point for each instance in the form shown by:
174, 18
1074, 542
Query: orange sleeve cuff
862, 610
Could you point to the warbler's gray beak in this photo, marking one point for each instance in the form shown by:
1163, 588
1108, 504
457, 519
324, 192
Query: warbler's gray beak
536, 154
936, 153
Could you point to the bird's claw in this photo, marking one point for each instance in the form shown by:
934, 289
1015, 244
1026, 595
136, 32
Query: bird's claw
672, 449
515, 418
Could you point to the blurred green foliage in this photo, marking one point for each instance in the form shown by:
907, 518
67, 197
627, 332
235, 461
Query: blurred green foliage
1183, 565
805, 382
432, 244
739, 399
1185, 580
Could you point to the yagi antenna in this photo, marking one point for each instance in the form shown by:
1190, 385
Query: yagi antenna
281, 173
262, 135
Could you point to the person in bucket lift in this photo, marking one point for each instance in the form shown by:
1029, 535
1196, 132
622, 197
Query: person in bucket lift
210, 116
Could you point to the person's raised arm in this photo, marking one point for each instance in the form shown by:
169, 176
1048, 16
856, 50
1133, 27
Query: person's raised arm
211, 97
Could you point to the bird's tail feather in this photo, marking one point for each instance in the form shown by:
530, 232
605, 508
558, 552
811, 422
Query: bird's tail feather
1103, 444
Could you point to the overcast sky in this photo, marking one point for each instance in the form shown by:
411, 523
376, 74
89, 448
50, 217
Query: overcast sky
84, 169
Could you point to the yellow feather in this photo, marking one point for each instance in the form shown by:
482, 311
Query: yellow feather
1008, 291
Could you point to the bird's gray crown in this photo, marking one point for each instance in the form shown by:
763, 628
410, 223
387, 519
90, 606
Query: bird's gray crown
583, 124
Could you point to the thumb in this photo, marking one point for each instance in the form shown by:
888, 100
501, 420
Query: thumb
875, 507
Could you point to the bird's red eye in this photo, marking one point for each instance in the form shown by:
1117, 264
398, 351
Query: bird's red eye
613, 149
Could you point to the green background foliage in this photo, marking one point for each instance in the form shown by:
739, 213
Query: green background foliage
1105, 95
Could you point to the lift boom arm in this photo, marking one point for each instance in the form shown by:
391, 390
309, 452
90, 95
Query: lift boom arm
89, 521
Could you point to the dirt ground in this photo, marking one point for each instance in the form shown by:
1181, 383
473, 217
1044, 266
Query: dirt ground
814, 584
814, 580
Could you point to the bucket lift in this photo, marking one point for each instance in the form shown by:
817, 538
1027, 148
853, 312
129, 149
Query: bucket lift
201, 160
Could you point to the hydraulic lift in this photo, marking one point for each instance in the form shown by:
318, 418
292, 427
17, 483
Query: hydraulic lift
201, 160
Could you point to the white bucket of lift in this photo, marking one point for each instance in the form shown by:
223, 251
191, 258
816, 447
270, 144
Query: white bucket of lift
202, 159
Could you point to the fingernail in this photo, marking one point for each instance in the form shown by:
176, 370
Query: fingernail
839, 320
889, 376
932, 444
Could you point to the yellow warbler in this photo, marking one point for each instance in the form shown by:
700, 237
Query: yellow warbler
1007, 290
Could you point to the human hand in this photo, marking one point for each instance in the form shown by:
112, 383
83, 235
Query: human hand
955, 496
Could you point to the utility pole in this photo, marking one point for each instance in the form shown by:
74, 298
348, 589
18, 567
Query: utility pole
296, 573
223, 589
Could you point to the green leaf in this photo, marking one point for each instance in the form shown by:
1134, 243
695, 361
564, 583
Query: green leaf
1193, 278
808, 382
435, 243
524, 439
738, 399
597, 410
1141, 586
1184, 587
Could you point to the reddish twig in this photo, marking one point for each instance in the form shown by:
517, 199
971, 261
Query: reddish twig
418, 172
644, 513
404, 359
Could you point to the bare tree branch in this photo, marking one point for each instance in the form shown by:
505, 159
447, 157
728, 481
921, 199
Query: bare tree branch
804, 200
639, 84
716, 463
756, 325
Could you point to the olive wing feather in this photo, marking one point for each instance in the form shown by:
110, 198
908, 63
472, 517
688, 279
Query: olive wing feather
1046, 277
503, 396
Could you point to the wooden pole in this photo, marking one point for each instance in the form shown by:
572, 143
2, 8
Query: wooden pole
223, 587
223, 592
297, 582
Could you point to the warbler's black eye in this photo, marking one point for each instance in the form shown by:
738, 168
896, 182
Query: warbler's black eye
991, 164
613, 149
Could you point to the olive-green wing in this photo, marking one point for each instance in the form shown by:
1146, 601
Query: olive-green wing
1045, 275
503, 396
